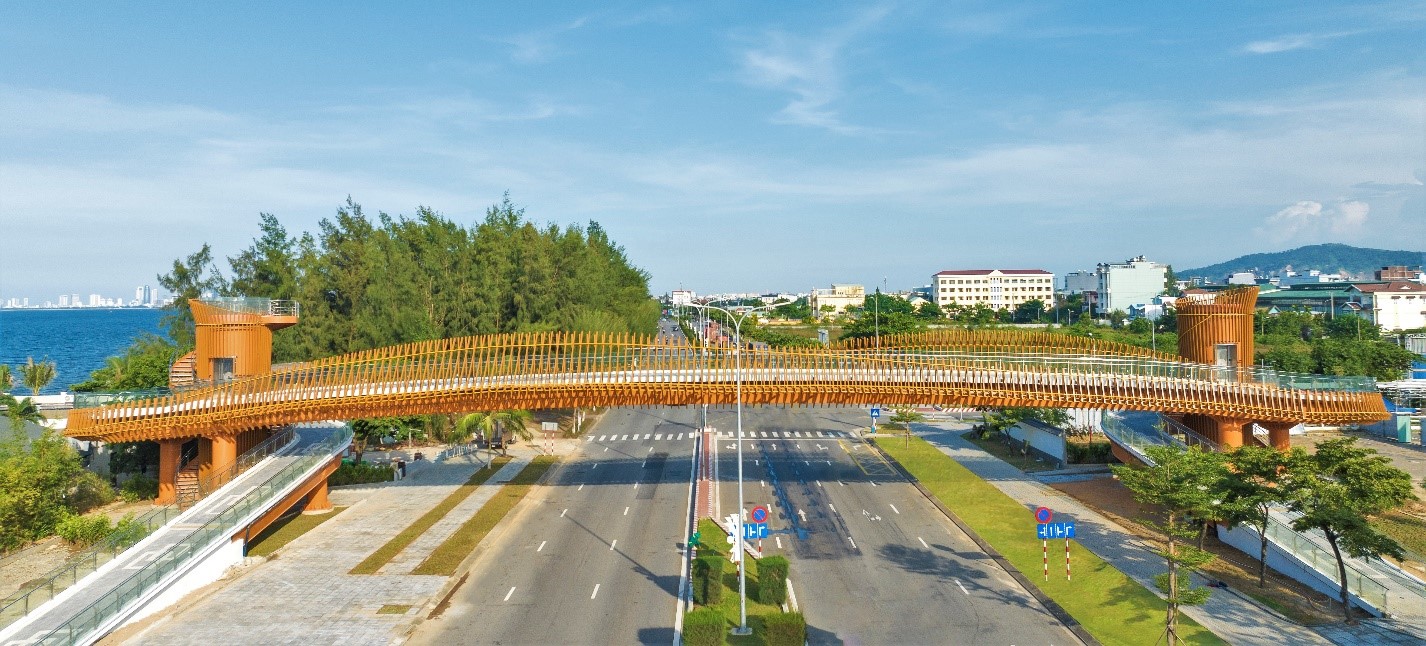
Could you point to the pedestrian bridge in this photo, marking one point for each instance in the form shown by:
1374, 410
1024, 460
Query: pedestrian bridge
559, 370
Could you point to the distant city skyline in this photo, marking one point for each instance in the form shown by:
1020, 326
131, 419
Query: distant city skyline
728, 147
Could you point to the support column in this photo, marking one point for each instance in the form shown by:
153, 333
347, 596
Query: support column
222, 452
1230, 432
169, 452
318, 503
1278, 436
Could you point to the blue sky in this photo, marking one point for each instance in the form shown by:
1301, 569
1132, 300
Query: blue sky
727, 146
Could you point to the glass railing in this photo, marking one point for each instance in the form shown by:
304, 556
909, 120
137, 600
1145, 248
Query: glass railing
1137, 440
111, 603
95, 399
80, 565
226, 474
1309, 553
253, 305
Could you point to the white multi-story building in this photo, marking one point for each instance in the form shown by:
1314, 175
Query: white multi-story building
995, 288
1133, 282
681, 297
838, 298
1397, 305
64, 300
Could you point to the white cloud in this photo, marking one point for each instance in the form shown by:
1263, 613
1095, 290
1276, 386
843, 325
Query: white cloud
540, 45
810, 68
1283, 44
1310, 220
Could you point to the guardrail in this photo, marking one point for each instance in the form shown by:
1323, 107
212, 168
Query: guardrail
253, 305
1136, 440
22, 602
1309, 553
112, 603
223, 476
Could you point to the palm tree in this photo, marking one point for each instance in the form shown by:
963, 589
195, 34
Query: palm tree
37, 375
6, 379
20, 411
487, 424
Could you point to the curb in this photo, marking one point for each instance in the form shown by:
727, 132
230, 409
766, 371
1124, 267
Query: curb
1053, 608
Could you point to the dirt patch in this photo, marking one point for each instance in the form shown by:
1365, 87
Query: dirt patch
36, 561
1240, 571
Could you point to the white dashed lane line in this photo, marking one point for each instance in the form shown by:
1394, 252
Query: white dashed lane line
596, 591
566, 511
923, 542
612, 544
541, 548
507, 594
893, 508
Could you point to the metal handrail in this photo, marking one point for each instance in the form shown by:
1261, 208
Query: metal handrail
1323, 562
224, 475
86, 621
19, 604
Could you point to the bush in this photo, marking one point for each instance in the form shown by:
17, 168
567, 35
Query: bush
708, 579
1088, 453
772, 580
89, 491
705, 627
364, 473
138, 488
84, 531
784, 629
128, 531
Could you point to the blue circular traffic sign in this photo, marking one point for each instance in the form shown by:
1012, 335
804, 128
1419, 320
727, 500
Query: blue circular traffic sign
759, 514
1043, 514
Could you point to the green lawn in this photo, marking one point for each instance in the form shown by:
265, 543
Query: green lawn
448, 555
714, 542
384, 554
1111, 606
1407, 530
286, 530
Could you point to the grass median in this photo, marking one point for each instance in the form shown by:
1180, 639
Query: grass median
448, 556
714, 535
1110, 605
383, 555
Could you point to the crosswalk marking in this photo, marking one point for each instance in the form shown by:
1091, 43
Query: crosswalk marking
658, 436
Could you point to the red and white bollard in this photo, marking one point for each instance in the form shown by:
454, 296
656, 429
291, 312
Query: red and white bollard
1045, 547
1067, 562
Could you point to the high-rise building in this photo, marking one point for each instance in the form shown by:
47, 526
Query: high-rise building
96, 300
995, 288
1134, 282
153, 297
64, 300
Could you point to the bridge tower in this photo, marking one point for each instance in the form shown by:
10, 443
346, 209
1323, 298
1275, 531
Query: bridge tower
1217, 329
233, 340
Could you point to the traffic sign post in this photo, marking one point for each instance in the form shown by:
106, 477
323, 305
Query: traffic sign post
875, 415
1046, 530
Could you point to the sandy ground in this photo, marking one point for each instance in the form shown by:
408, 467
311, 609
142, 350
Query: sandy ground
48, 554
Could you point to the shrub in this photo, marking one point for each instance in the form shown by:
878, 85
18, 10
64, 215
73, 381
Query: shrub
138, 488
708, 579
1088, 453
364, 473
84, 531
704, 627
784, 629
772, 580
128, 531
89, 491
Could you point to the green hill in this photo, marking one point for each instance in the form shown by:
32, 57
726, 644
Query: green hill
1329, 258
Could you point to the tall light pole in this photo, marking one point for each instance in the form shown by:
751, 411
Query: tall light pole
742, 628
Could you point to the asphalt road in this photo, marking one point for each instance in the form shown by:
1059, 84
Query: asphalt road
873, 562
595, 557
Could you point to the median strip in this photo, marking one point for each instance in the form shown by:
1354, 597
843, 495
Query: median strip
1113, 608
448, 556
383, 555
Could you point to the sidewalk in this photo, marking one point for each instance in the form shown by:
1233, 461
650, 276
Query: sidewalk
1234, 618
304, 594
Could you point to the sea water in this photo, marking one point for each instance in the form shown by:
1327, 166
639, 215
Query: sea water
77, 340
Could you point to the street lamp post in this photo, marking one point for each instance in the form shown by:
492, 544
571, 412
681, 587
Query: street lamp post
742, 628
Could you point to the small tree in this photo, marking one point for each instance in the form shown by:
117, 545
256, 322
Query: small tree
903, 418
1262, 475
7, 380
20, 411
37, 375
1341, 486
1180, 482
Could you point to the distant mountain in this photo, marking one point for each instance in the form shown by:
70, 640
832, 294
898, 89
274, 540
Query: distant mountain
1329, 258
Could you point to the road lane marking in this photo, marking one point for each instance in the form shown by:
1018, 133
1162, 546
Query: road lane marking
680, 435
589, 438
873, 483
893, 508
612, 544
854, 543
636, 485
651, 449
601, 438
606, 449
807, 462
626, 511
819, 483
760, 482
581, 487
623, 438
802, 514
829, 506
649, 436
596, 591
963, 588
541, 548
841, 483
923, 542
566, 511
658, 436
779, 541
596, 464
507, 594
